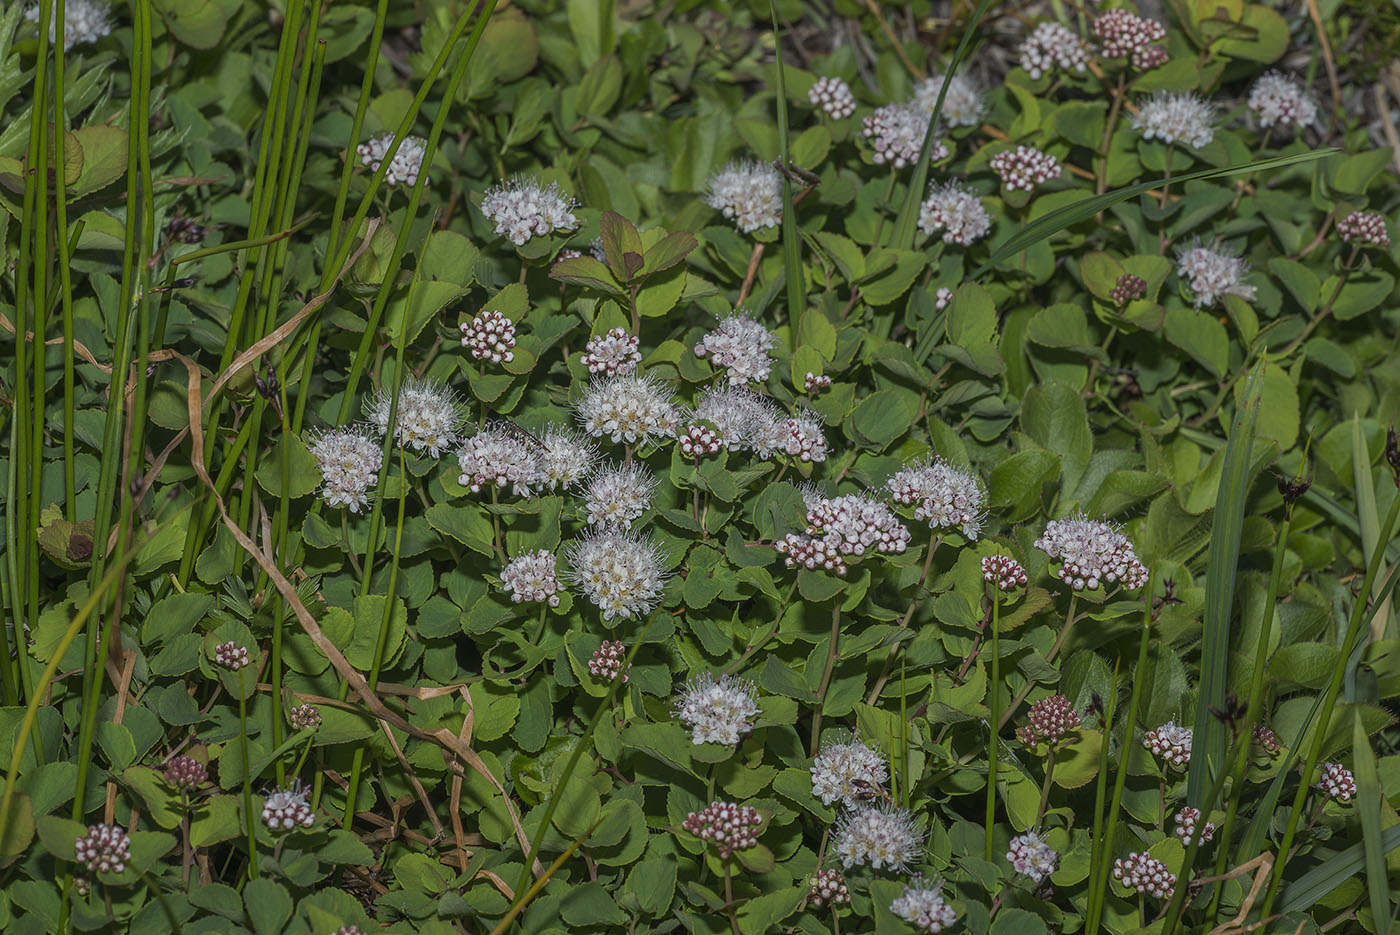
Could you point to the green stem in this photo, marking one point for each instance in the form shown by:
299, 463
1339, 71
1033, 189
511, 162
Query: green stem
831, 652
992, 729
249, 819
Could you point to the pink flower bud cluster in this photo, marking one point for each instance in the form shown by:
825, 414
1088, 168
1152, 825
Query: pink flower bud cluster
1050, 720
490, 336
185, 773
814, 383
607, 661
727, 826
1124, 34
1025, 168
1004, 572
304, 716
1364, 227
106, 848
828, 886
1146, 874
231, 656
1171, 742
1186, 820
611, 353
1127, 288
1336, 782
698, 441
833, 97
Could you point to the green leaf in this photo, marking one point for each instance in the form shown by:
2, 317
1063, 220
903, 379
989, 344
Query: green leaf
585, 271
1301, 282
894, 278
1339, 867
1361, 293
303, 471
670, 250
622, 245
590, 904
467, 523
1054, 415
369, 618
269, 905
199, 24
1017, 922
215, 819
1201, 336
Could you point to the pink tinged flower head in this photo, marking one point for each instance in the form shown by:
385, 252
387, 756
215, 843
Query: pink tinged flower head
1336, 782
288, 808
1186, 820
1051, 46
105, 848
1091, 553
740, 345
854, 524
531, 577
620, 574
1176, 117
613, 352
1146, 874
829, 886
349, 459
1031, 857
1266, 739
231, 656
896, 133
490, 336
1171, 742
848, 771
1127, 288
1003, 572
717, 710
727, 826
498, 456
304, 716
698, 441
427, 418
942, 495
833, 97
1123, 34
608, 661
185, 773
962, 105
814, 383
1025, 168
883, 836
1277, 100
805, 440
748, 193
1211, 275
1051, 719
406, 164
924, 906
522, 208
1366, 228
957, 212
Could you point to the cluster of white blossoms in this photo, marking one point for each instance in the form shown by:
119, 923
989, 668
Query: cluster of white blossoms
288, 808
833, 97
616, 496
630, 409
746, 421
406, 164
957, 212
522, 208
490, 336
498, 456
1031, 857
805, 440
880, 835
1211, 275
717, 710
1124, 34
698, 440
428, 416
946, 498
1186, 819
84, 21
740, 345
349, 459
1051, 46
1025, 168
1146, 874
924, 906
532, 577
1092, 552
748, 193
1336, 782
896, 131
104, 849
613, 352
1366, 228
565, 459
849, 771
962, 105
855, 523
1278, 100
1176, 117
726, 825
620, 573
1171, 742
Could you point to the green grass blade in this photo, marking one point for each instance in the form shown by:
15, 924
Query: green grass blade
792, 256
1208, 747
1368, 515
1368, 806
1313, 886
1057, 220
906, 224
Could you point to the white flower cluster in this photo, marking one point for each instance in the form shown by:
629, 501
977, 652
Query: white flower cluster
748, 193
1051, 46
84, 21
1031, 857
879, 835
833, 97
1025, 168
896, 131
532, 577
611, 353
1364, 227
565, 459
106, 848
957, 212
427, 419
740, 345
805, 441
744, 420
698, 441
1171, 741
1278, 100
1124, 34
621, 574
1211, 275
1092, 552
490, 336
522, 208
946, 498
1186, 820
849, 771
856, 523
1336, 782
962, 105
287, 808
630, 409
617, 495
1146, 874
718, 710
924, 906
349, 459
498, 456
607, 661
1176, 117
406, 164
729, 827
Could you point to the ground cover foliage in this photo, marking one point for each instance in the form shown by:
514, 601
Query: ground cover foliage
669, 480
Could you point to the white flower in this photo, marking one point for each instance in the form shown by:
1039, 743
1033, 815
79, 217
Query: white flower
618, 495
957, 212
497, 455
406, 164
611, 353
1277, 99
565, 458
1025, 167
804, 438
629, 409
896, 131
1176, 117
1051, 46
740, 345
1146, 874
1092, 552
1124, 34
427, 417
532, 577
621, 574
349, 459
962, 105
522, 208
490, 336
832, 96
882, 836
924, 906
718, 711
1171, 742
849, 771
852, 524
286, 808
737, 414
1032, 857
1186, 820
84, 21
947, 498
748, 193
1211, 275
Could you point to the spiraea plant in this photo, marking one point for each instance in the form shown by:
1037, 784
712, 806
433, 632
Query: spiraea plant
710, 467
